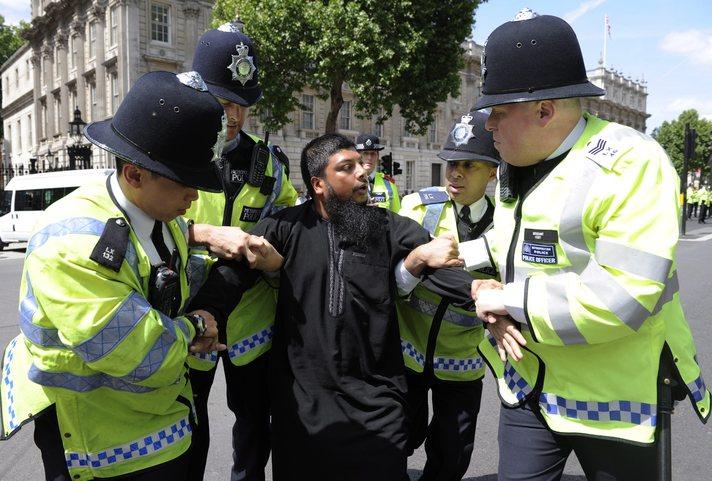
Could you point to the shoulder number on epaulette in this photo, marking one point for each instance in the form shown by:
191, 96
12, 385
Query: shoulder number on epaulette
433, 196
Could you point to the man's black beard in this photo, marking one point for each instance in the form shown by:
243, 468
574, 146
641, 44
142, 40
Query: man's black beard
358, 226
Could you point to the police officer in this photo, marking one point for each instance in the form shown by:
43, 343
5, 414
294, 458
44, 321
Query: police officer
585, 236
692, 200
704, 200
382, 188
440, 347
100, 363
255, 183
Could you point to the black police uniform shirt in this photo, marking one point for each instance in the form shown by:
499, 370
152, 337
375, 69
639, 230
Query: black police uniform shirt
337, 377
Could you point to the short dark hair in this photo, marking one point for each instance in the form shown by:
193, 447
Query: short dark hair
120, 167
316, 153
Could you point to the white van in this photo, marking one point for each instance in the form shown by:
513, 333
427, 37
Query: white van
26, 196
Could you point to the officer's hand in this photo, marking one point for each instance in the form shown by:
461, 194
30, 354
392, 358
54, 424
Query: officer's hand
262, 255
478, 284
223, 241
208, 342
440, 252
506, 332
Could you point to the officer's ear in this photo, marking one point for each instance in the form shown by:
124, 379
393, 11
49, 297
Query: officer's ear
545, 111
134, 175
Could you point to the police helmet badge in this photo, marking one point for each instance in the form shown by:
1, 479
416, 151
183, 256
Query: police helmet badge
462, 132
193, 80
242, 65
525, 14
368, 142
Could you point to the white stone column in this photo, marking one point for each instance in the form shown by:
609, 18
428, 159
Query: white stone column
97, 14
77, 28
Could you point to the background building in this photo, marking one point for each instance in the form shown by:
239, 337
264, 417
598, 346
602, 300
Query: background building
86, 54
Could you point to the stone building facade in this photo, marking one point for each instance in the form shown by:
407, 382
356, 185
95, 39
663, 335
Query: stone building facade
87, 53
625, 100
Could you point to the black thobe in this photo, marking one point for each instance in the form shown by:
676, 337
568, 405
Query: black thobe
337, 378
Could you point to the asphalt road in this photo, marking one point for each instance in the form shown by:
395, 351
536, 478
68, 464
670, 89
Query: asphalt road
20, 460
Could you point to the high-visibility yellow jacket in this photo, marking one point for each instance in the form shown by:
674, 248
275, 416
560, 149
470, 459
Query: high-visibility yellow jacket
249, 327
454, 355
589, 255
384, 192
93, 346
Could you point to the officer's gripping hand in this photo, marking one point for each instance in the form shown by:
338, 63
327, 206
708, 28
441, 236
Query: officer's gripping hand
208, 342
262, 255
440, 252
224, 241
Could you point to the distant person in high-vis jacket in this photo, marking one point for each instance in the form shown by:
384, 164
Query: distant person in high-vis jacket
382, 189
585, 238
101, 362
439, 341
255, 183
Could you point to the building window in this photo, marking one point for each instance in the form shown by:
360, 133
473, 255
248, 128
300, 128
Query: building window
29, 131
57, 63
114, 25
17, 78
43, 120
27, 69
73, 51
19, 135
160, 22
92, 39
433, 133
435, 174
377, 128
345, 116
114, 91
92, 101
307, 111
57, 115
410, 175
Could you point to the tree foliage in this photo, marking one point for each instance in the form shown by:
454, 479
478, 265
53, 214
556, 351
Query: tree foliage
671, 135
389, 53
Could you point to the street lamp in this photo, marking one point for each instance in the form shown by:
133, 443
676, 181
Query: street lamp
78, 150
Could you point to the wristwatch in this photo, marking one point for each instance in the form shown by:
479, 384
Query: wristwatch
198, 323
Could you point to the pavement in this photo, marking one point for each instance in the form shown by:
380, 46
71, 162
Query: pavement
20, 460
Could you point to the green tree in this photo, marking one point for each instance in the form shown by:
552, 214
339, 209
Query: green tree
671, 135
389, 53
10, 41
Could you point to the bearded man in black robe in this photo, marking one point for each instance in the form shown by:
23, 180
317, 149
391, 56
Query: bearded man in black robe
337, 376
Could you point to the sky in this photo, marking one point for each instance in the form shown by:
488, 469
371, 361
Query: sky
666, 42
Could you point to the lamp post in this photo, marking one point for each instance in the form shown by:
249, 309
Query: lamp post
78, 150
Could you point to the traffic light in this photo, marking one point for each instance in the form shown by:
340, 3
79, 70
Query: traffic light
387, 164
396, 168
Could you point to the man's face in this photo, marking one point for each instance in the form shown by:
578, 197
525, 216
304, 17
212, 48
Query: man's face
236, 115
516, 133
159, 197
467, 180
345, 177
370, 160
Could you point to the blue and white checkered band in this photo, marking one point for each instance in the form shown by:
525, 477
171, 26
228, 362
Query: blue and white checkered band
192, 80
462, 132
229, 27
525, 14
242, 65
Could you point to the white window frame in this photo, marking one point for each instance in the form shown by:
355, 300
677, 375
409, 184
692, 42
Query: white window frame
113, 26
410, 175
114, 82
92, 39
307, 113
157, 24
345, 116
433, 131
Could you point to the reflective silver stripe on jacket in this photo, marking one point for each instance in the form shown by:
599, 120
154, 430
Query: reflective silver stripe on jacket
428, 308
143, 446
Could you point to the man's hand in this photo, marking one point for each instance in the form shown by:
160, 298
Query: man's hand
262, 255
208, 342
439, 252
506, 332
478, 284
223, 241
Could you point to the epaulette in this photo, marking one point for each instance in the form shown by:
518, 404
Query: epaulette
433, 195
281, 156
390, 179
110, 250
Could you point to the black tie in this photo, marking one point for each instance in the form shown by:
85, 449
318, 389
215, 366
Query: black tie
464, 224
159, 242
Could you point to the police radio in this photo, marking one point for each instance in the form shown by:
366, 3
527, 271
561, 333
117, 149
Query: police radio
507, 191
164, 288
258, 162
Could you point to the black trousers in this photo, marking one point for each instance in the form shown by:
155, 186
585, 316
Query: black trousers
703, 213
450, 436
529, 451
49, 441
691, 210
248, 399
